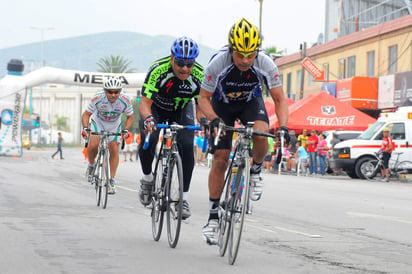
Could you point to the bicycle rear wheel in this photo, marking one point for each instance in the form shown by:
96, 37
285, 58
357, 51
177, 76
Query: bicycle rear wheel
238, 209
403, 167
370, 168
105, 178
174, 198
158, 200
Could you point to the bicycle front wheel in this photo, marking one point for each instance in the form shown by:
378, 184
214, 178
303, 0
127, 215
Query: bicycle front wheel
97, 179
105, 179
174, 198
158, 205
224, 218
370, 168
238, 209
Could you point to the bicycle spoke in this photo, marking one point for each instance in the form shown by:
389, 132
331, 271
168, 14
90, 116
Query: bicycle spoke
105, 179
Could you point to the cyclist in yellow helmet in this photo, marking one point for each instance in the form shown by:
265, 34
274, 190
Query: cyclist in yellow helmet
232, 89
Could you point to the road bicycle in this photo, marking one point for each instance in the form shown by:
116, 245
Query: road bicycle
373, 167
234, 202
167, 191
100, 175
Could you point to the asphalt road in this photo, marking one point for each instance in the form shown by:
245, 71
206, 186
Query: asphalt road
49, 223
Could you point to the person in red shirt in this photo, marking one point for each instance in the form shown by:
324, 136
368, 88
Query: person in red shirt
312, 146
387, 147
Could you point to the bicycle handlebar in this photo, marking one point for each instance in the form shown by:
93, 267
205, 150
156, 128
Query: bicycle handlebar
106, 133
174, 127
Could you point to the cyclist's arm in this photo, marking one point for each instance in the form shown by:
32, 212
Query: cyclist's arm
282, 110
145, 107
205, 105
129, 122
199, 113
86, 118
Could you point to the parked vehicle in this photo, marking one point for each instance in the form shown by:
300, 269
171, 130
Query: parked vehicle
350, 155
26, 143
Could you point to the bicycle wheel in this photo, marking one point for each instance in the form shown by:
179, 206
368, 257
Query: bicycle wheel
174, 198
105, 178
402, 168
238, 209
158, 200
370, 168
224, 218
97, 178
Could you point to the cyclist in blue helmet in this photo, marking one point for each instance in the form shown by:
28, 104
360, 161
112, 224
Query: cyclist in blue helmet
167, 92
185, 48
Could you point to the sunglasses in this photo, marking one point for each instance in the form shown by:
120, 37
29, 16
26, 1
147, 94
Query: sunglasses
112, 91
181, 63
249, 55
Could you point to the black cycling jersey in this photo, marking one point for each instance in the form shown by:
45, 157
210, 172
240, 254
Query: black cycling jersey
168, 92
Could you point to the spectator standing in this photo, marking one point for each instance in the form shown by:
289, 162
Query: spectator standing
303, 137
312, 144
59, 146
200, 155
322, 153
128, 147
387, 147
269, 155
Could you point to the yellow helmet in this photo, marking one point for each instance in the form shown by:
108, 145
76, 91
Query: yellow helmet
244, 37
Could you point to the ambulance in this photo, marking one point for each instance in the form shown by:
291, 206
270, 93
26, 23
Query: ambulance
350, 155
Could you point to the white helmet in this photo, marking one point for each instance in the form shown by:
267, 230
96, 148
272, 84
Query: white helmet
112, 82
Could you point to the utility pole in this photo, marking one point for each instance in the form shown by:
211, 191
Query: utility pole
302, 79
260, 16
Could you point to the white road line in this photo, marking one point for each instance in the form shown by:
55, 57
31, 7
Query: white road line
381, 217
286, 230
126, 188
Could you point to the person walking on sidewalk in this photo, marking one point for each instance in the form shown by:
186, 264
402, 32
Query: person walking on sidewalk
59, 146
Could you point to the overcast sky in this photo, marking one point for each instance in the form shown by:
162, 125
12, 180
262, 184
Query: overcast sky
285, 23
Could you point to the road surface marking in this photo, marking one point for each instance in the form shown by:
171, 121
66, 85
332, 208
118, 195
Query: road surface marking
286, 230
126, 188
381, 217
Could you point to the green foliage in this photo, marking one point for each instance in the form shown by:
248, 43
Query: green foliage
114, 64
61, 123
273, 50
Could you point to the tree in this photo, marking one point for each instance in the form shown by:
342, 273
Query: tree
114, 64
61, 123
273, 50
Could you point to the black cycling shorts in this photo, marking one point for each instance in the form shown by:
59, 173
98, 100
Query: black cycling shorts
385, 158
251, 111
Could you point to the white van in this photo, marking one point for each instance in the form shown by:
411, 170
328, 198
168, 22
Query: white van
351, 154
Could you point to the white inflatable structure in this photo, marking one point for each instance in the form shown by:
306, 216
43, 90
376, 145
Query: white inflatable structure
13, 90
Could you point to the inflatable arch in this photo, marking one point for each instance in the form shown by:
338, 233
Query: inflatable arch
13, 91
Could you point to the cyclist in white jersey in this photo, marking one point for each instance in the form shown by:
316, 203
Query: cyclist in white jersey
104, 113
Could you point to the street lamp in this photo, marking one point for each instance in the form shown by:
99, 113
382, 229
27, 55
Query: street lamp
260, 16
42, 42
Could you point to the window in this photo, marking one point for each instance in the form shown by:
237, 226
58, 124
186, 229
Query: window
342, 68
351, 66
398, 131
393, 59
289, 83
371, 64
311, 79
299, 79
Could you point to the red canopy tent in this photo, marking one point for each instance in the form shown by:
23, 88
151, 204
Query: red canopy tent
324, 112
271, 110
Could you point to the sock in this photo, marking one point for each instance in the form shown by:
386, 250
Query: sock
185, 195
213, 208
148, 177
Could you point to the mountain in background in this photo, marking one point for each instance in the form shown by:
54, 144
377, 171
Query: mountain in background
83, 52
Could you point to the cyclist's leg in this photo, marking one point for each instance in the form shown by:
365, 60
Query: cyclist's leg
255, 110
93, 145
146, 157
185, 139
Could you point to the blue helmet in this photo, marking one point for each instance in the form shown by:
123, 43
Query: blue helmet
185, 48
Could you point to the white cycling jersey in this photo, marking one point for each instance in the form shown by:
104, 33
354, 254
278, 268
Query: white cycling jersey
103, 110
